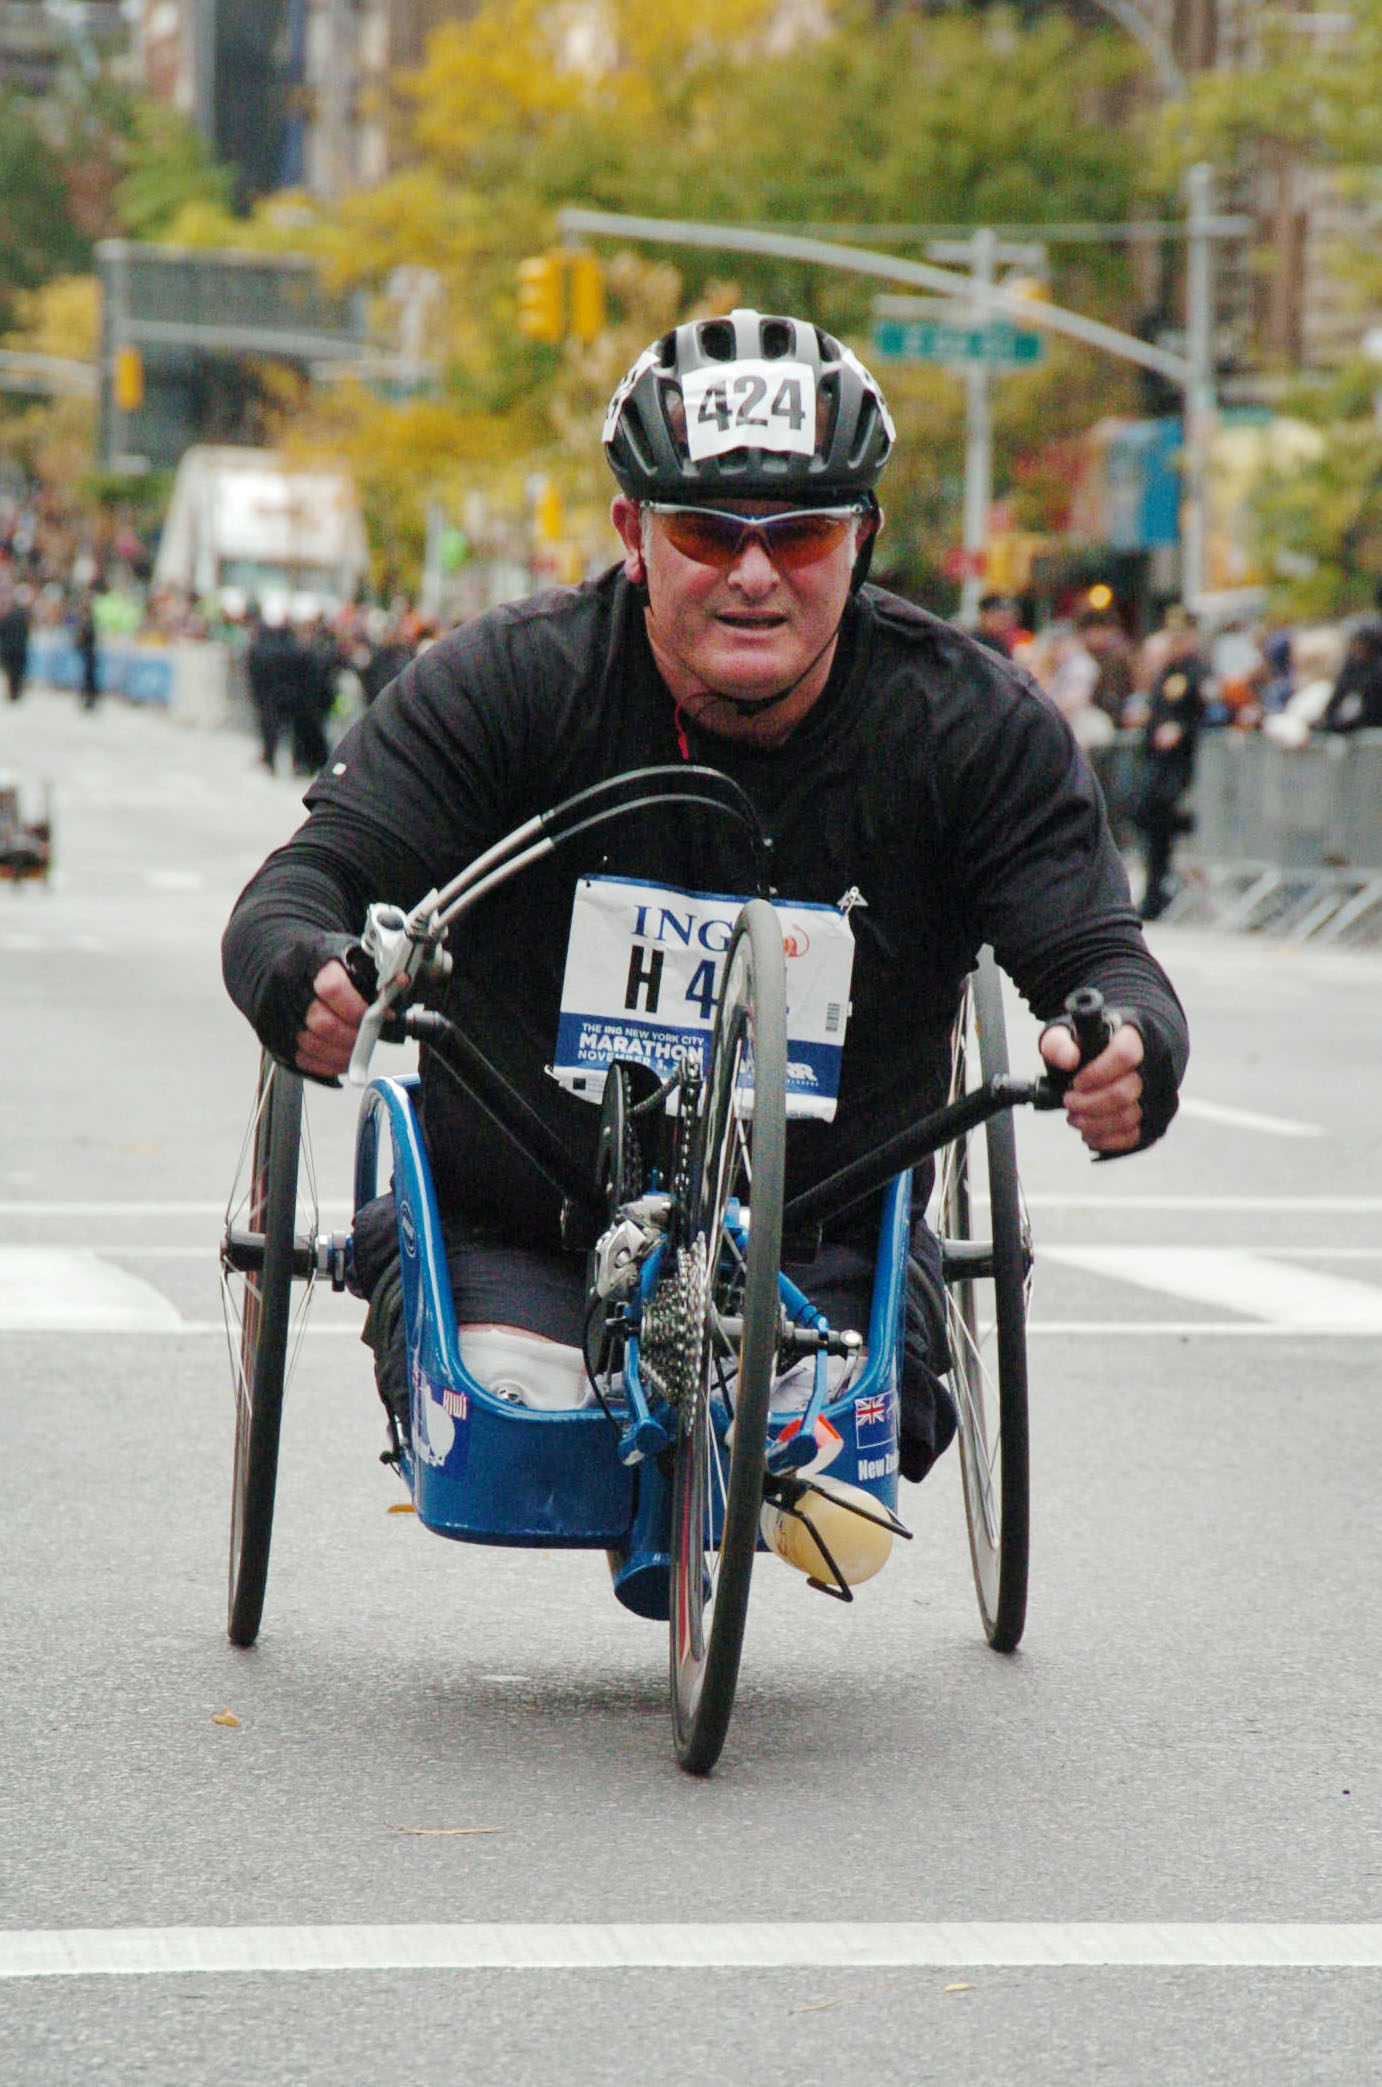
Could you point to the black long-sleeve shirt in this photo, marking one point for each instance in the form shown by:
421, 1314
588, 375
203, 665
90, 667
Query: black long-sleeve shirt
931, 775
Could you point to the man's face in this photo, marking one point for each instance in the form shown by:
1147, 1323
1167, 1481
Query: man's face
746, 629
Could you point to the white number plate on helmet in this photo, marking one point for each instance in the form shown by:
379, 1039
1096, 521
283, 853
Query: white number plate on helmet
750, 405
643, 971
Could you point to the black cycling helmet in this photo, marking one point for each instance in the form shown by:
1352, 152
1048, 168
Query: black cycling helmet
751, 406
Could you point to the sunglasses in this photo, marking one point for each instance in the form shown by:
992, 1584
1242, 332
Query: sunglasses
712, 537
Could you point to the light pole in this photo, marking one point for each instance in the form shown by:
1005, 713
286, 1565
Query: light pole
1129, 16
1201, 406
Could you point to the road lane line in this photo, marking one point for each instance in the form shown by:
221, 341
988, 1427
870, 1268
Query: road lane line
1248, 1119
55, 1289
1363, 1206
31, 1210
726, 1945
1304, 1299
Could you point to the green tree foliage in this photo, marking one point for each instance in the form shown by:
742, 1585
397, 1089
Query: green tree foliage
168, 167
712, 113
39, 235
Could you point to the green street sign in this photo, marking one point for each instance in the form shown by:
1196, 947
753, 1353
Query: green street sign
995, 341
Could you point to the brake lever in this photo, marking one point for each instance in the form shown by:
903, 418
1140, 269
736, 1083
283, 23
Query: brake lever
398, 953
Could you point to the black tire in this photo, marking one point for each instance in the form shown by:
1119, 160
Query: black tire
744, 1157
988, 1328
259, 1361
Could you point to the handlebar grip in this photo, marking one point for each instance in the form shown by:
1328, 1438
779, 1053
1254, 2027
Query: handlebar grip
1089, 1019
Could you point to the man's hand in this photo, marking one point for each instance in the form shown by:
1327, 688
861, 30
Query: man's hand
327, 1036
1104, 1100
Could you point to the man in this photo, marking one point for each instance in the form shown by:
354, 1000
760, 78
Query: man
14, 639
1170, 737
998, 626
892, 760
1355, 702
87, 638
278, 669
1108, 647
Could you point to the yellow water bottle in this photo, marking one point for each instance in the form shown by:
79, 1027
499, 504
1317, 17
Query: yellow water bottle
859, 1545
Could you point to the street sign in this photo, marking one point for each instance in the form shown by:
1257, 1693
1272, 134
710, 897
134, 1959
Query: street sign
996, 342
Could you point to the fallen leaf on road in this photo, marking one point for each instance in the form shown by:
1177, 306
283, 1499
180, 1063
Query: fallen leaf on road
401, 1507
815, 2007
443, 1833
225, 1717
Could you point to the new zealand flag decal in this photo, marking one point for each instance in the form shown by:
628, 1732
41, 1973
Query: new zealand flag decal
873, 1421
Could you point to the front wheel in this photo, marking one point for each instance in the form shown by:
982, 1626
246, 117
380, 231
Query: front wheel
728, 1273
259, 1256
986, 1313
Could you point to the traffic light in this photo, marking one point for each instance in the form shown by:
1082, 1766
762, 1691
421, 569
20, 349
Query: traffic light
127, 379
587, 280
541, 299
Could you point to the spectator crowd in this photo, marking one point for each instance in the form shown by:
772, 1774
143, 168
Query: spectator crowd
1289, 684
303, 673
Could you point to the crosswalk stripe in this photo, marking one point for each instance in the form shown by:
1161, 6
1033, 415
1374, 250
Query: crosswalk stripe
1258, 1285
55, 1289
1247, 1119
732, 1945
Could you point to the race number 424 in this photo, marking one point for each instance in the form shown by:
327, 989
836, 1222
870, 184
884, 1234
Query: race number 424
757, 405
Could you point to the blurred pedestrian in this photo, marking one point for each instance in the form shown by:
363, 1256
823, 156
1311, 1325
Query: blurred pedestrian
1107, 645
87, 641
1175, 712
1070, 677
313, 694
388, 653
1355, 704
1278, 676
15, 617
999, 626
276, 669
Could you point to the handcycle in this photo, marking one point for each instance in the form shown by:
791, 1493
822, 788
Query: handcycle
685, 1460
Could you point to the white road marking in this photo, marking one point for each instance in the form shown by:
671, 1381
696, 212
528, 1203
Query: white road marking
33, 1209
727, 1945
1301, 1299
1247, 1119
186, 1209
1242, 1329
56, 1289
1362, 1206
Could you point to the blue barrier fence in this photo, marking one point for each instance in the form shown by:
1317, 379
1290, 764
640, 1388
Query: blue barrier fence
140, 673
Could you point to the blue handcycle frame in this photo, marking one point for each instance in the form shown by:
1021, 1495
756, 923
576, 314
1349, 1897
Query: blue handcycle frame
482, 1470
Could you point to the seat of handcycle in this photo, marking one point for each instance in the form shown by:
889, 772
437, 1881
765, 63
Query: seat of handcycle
495, 1457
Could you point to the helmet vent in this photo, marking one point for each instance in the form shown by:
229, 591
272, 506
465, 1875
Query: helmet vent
717, 340
777, 339
674, 412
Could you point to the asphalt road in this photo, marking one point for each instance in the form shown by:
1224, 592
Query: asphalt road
430, 1735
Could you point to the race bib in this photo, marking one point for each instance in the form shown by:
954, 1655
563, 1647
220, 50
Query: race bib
643, 971
750, 405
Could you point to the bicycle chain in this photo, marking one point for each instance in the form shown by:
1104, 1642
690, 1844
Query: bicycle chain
672, 1341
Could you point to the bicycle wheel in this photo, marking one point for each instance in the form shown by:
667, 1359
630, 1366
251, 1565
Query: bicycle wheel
262, 1251
986, 1312
717, 1494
